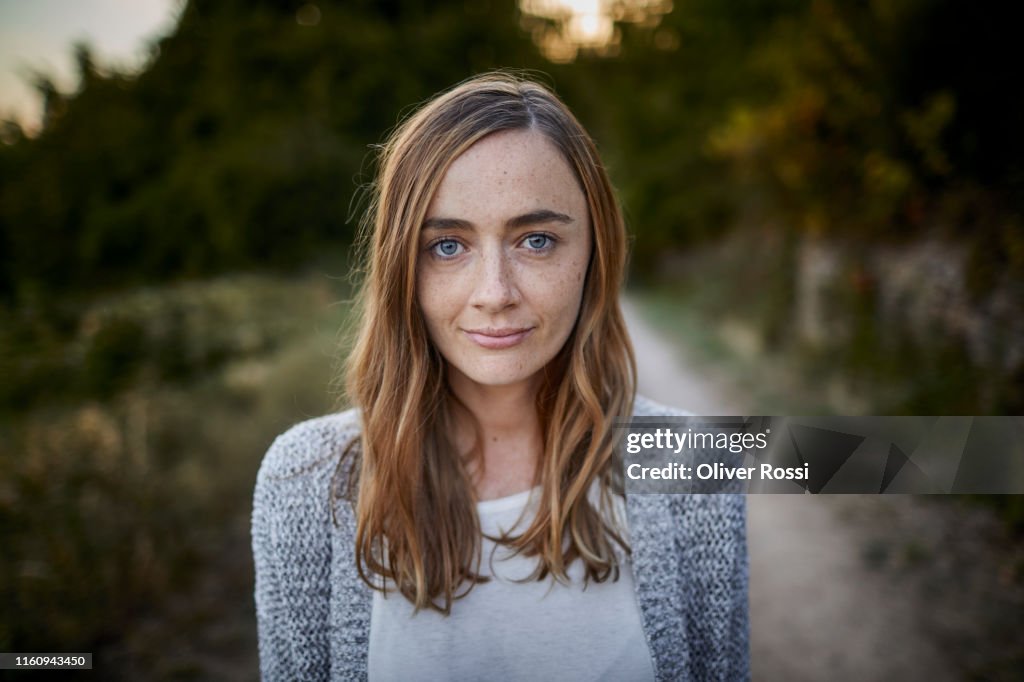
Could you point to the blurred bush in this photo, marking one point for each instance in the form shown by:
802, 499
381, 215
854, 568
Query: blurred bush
131, 452
70, 350
861, 120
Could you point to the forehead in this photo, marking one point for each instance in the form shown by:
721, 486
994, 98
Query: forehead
509, 171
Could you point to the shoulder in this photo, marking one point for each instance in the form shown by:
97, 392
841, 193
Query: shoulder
292, 545
310, 446
295, 479
645, 407
292, 502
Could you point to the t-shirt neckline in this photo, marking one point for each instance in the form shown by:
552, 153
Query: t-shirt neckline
501, 504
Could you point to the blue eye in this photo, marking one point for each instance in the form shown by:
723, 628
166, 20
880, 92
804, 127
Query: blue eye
539, 242
447, 248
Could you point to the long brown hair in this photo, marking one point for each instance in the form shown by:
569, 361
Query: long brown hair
416, 523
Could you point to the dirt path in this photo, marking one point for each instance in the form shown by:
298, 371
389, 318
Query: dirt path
820, 609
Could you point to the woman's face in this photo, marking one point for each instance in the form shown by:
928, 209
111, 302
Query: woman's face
502, 259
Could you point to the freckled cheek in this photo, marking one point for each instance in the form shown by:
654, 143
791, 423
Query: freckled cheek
428, 299
571, 278
441, 297
557, 294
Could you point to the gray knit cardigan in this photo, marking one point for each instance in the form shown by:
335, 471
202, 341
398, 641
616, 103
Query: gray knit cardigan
313, 611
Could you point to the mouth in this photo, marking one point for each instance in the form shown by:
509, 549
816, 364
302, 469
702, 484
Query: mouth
498, 339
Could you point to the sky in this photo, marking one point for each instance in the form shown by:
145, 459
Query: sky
38, 35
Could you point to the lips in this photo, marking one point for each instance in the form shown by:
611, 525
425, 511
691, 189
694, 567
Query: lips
498, 339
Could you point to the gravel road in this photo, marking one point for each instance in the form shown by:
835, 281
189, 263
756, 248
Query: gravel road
820, 607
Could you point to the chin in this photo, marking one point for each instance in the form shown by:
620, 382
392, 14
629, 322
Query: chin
496, 380
496, 375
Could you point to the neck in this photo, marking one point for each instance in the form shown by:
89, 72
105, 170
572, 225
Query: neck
505, 420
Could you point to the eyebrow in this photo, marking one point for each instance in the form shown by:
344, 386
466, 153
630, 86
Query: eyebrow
532, 218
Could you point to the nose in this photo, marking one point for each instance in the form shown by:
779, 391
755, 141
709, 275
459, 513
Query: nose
495, 288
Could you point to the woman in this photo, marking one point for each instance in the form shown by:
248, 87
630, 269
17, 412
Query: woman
466, 520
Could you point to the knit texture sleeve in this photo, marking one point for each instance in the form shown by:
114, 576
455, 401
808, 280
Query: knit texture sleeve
291, 547
714, 554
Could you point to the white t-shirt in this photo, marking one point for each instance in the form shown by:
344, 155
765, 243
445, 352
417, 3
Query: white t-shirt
504, 630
